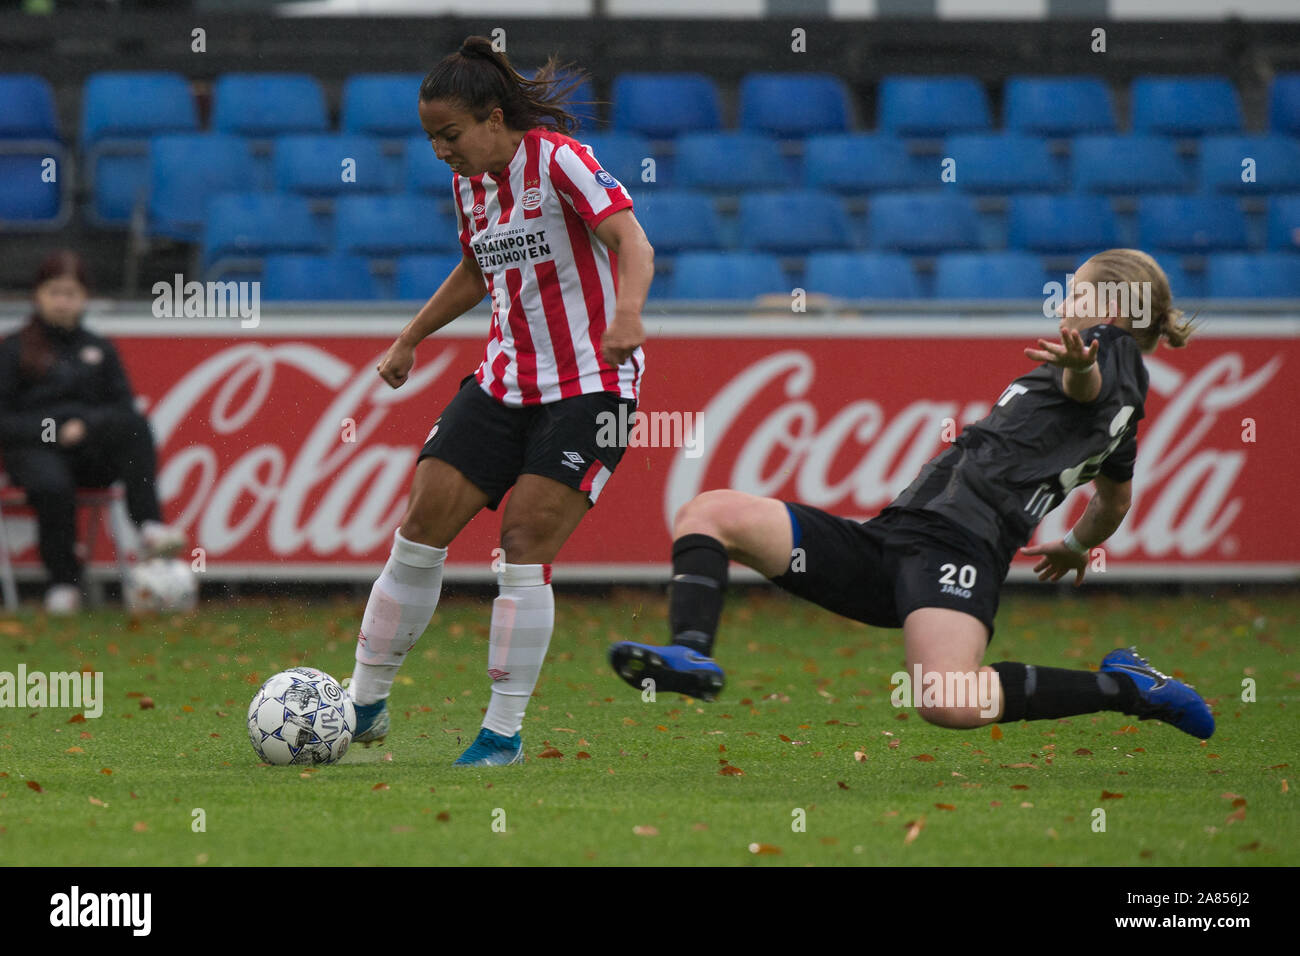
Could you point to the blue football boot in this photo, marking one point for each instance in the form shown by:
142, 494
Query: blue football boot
490, 749
676, 669
372, 723
1162, 698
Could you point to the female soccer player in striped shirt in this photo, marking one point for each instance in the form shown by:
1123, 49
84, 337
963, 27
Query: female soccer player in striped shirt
551, 238
933, 562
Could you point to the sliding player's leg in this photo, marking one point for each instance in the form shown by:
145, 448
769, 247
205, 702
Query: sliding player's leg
950, 688
538, 519
405, 595
708, 531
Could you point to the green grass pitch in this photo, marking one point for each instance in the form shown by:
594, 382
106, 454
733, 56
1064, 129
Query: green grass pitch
802, 761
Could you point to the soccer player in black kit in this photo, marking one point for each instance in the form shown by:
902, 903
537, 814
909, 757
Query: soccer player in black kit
933, 561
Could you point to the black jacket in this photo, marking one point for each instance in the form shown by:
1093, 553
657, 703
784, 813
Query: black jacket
86, 379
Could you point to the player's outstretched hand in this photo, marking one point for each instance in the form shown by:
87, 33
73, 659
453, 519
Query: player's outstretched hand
396, 364
1068, 353
1056, 561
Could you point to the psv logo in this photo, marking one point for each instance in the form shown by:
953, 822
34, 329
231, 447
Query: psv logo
531, 199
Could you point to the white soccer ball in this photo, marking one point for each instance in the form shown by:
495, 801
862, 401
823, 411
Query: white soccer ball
301, 716
159, 586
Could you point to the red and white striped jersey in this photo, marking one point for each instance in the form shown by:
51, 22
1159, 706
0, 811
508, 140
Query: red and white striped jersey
531, 230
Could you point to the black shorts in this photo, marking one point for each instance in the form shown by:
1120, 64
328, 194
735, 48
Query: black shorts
493, 444
881, 570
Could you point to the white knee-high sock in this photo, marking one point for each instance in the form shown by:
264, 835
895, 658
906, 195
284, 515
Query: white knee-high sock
401, 605
523, 616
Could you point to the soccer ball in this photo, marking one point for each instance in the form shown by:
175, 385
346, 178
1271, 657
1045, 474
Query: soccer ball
160, 585
301, 716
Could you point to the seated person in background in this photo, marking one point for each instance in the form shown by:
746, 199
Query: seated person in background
68, 420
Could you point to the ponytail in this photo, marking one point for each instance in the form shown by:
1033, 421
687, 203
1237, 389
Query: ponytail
480, 79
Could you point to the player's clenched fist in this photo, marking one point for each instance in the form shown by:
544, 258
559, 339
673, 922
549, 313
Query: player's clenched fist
396, 363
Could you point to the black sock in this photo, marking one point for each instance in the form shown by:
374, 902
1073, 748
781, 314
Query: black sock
695, 595
1042, 693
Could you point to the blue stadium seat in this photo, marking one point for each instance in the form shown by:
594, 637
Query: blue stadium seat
988, 275
393, 225
1260, 275
27, 107
1003, 163
1276, 166
728, 275
297, 277
863, 162
729, 162
623, 156
26, 202
423, 172
253, 225
185, 170
1127, 164
662, 105
1284, 222
1191, 223
922, 222
1057, 105
419, 275
29, 135
678, 219
135, 106
1284, 104
1184, 105
1065, 223
262, 105
382, 104
793, 104
119, 112
932, 105
793, 221
312, 164
861, 275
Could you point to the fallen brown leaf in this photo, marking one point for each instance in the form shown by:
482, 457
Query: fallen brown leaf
764, 849
730, 771
1107, 795
914, 828
550, 753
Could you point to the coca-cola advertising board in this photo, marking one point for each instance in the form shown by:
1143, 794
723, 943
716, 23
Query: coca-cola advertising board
285, 456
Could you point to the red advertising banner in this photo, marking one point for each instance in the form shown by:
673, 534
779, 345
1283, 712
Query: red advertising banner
284, 455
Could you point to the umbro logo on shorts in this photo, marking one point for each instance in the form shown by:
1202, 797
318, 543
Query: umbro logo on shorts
573, 460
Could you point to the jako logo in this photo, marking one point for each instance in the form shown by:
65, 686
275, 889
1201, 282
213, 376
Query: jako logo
102, 909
